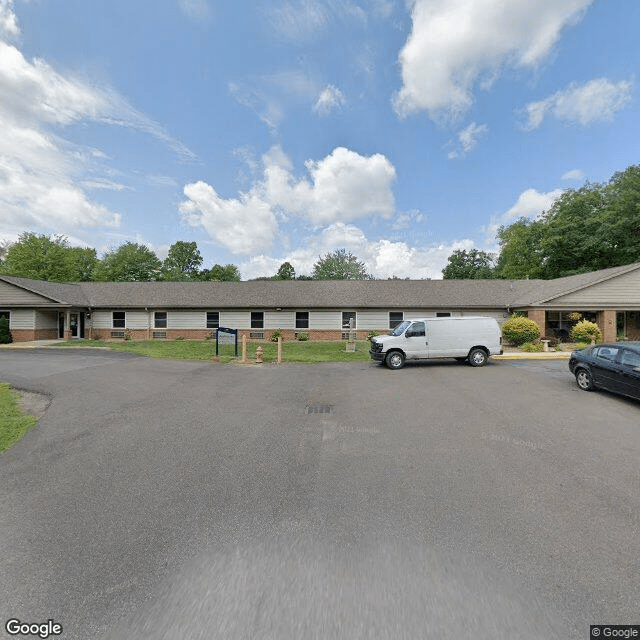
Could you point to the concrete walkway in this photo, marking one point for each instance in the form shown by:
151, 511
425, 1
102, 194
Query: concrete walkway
32, 344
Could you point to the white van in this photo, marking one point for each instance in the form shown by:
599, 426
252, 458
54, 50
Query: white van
472, 338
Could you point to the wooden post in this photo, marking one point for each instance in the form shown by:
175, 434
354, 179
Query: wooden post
279, 349
244, 349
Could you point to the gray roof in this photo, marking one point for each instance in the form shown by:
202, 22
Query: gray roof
306, 294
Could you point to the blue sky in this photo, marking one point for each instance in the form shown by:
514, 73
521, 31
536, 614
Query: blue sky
280, 130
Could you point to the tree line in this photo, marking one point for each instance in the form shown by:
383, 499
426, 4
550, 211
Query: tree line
52, 258
594, 227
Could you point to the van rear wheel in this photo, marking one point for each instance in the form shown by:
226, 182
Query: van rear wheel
477, 357
395, 360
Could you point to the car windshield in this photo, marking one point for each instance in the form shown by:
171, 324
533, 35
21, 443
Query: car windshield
399, 330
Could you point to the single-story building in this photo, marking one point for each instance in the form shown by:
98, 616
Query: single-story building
40, 310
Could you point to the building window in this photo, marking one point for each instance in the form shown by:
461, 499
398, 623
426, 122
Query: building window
213, 319
257, 319
395, 318
443, 314
302, 319
346, 317
119, 320
160, 319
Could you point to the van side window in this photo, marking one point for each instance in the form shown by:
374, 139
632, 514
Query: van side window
417, 329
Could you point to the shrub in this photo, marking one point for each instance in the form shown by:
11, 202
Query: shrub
586, 331
532, 347
5, 333
372, 334
275, 335
303, 337
518, 330
127, 334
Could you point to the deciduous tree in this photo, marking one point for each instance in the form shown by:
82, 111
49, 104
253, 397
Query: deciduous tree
340, 265
130, 262
469, 265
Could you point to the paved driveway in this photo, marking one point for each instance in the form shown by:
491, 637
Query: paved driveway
168, 500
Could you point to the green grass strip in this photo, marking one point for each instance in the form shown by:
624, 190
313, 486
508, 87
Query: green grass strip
306, 352
14, 423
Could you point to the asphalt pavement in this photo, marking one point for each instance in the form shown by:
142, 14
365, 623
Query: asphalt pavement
172, 499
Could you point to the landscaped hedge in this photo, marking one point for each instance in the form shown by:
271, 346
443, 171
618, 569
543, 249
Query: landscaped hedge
586, 331
518, 330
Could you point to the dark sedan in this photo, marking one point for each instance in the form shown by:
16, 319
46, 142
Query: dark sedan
613, 366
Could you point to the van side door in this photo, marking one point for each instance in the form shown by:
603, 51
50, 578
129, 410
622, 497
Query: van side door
416, 346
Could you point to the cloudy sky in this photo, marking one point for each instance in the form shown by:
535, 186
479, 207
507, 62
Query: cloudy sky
277, 130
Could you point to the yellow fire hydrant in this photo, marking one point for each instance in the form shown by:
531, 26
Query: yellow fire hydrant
259, 352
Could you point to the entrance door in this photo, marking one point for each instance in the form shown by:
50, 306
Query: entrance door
81, 327
73, 323
61, 325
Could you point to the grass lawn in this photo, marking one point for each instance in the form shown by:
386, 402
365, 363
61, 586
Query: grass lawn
309, 352
14, 423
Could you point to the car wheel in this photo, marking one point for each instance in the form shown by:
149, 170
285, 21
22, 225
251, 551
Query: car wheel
395, 360
584, 380
477, 357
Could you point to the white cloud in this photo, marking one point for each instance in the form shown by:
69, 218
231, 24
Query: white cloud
269, 95
468, 139
383, 258
330, 98
301, 20
342, 186
8, 22
574, 174
43, 177
457, 44
595, 101
530, 204
197, 10
244, 225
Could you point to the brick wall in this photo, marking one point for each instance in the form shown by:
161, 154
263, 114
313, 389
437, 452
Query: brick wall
288, 335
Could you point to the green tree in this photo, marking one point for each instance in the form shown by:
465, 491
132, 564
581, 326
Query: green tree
469, 265
51, 258
286, 272
340, 265
130, 262
520, 254
182, 262
219, 273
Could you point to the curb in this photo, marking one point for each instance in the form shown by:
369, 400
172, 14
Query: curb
533, 356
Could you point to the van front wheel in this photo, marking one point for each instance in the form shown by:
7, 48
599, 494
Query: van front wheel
477, 357
395, 360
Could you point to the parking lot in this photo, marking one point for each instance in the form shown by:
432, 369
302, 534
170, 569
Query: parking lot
175, 499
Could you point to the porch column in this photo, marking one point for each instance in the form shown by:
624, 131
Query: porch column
67, 325
539, 317
606, 320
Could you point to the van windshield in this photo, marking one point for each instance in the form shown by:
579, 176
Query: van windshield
399, 330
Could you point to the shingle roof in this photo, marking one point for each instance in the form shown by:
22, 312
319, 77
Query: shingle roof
306, 294
69, 294
302, 294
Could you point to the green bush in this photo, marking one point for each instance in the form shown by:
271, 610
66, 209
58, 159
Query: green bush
275, 335
586, 331
5, 334
303, 337
532, 347
372, 334
518, 330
